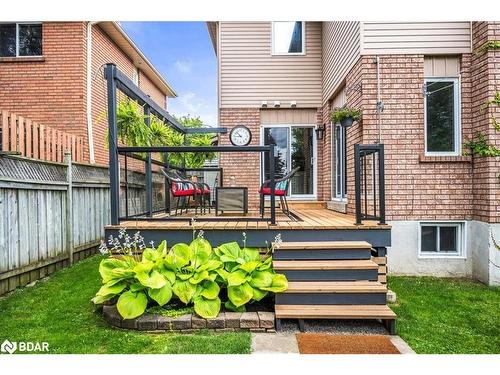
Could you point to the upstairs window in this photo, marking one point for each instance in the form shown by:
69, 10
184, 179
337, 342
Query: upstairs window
442, 116
20, 39
288, 38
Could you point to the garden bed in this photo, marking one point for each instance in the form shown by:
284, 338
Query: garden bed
226, 321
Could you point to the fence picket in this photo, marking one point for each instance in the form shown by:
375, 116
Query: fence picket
13, 132
35, 140
5, 130
29, 138
21, 134
42, 142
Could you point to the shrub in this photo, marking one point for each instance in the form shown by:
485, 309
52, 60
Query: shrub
193, 273
339, 114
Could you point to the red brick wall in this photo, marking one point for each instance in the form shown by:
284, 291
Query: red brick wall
486, 81
417, 187
244, 167
52, 91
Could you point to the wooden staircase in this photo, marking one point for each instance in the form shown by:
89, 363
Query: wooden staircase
330, 280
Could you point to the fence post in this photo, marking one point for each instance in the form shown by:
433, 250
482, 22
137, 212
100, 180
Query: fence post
69, 205
272, 165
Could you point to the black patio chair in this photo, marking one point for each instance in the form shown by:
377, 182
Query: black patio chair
280, 190
181, 189
203, 191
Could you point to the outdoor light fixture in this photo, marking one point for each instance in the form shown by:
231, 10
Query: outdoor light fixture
277, 104
264, 104
293, 104
320, 132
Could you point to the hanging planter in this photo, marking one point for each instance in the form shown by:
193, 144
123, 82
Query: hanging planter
345, 116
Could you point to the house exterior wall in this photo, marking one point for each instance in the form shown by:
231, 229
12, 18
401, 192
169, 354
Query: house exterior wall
51, 90
249, 73
415, 38
341, 49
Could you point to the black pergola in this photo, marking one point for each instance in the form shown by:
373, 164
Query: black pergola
117, 80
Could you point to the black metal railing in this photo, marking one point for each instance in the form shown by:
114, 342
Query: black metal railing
116, 80
369, 183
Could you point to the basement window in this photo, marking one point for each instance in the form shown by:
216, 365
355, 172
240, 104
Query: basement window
442, 116
20, 39
441, 239
288, 38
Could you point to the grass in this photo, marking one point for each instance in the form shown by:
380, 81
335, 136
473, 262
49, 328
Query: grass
59, 312
438, 316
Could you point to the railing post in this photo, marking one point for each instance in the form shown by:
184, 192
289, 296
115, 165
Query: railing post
167, 189
149, 174
381, 178
69, 206
114, 168
357, 183
271, 177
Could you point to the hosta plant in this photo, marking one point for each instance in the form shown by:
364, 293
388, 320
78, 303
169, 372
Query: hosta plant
248, 278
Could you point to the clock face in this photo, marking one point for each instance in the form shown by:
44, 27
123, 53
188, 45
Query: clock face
240, 136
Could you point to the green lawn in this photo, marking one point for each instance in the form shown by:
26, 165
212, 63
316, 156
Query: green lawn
59, 311
447, 315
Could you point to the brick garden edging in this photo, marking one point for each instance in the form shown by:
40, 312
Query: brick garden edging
261, 321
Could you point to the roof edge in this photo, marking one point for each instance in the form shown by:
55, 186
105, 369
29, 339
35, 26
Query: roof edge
151, 72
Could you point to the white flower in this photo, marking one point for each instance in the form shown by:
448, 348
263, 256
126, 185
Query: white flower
201, 233
103, 249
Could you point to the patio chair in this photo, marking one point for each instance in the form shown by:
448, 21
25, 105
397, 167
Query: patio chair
202, 191
181, 189
280, 190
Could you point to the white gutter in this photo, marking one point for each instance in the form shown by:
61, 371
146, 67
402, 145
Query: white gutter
90, 135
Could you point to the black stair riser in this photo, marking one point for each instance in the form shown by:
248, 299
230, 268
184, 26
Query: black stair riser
330, 299
330, 275
322, 254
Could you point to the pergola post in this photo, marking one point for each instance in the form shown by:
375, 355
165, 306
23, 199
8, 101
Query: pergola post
114, 168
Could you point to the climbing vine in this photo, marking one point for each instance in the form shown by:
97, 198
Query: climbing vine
489, 45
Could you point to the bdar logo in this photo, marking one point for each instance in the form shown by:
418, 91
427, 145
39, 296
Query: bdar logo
8, 347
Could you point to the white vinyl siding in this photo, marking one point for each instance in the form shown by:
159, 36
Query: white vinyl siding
415, 37
250, 74
341, 50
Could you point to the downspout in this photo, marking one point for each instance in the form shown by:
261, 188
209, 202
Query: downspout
380, 103
90, 135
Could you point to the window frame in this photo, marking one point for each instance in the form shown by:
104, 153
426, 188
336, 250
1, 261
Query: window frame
273, 53
461, 240
457, 105
17, 38
341, 195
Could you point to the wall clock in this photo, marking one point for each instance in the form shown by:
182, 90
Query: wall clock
240, 135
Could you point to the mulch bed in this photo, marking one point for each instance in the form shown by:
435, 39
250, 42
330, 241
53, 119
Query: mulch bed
321, 343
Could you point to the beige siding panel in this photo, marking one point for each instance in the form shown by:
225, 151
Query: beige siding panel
288, 116
431, 38
341, 50
442, 66
250, 74
340, 99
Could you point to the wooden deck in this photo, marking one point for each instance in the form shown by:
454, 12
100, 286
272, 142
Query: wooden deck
315, 224
311, 219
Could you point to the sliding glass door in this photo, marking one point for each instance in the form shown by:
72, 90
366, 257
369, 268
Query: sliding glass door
295, 146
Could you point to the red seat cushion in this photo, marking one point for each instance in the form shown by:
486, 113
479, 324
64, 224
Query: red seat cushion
267, 191
206, 191
183, 193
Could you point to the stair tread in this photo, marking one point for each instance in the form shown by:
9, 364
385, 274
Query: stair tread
323, 264
324, 245
335, 287
334, 311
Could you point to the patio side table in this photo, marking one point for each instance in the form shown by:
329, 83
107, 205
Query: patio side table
234, 199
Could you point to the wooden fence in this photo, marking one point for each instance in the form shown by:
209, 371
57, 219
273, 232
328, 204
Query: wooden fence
53, 214
33, 140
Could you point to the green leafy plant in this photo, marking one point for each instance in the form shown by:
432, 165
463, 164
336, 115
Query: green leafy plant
194, 274
489, 45
340, 113
248, 278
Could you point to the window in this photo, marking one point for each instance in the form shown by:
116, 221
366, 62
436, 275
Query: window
340, 162
20, 39
442, 116
288, 38
441, 239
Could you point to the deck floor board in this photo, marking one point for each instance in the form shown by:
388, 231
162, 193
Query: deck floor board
316, 218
